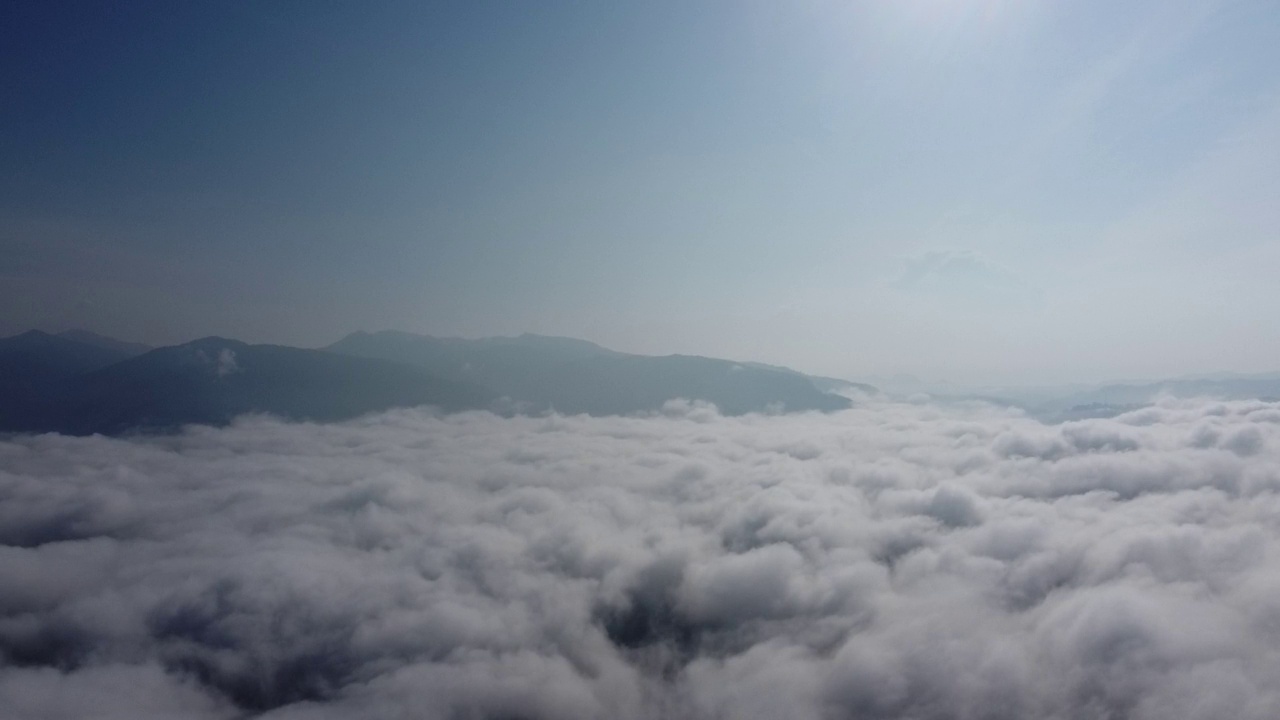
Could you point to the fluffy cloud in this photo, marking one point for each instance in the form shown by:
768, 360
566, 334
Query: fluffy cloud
886, 562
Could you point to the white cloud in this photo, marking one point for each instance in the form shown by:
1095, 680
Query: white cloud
227, 362
890, 561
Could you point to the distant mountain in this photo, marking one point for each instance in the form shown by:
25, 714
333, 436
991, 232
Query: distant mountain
538, 373
1239, 387
211, 381
1067, 403
498, 362
54, 355
825, 384
35, 369
125, 349
79, 382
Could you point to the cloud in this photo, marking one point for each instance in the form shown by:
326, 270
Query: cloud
227, 362
894, 560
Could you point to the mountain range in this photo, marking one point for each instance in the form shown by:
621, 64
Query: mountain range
80, 382
542, 373
1078, 402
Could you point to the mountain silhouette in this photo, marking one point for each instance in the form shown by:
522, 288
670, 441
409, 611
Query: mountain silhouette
125, 349
79, 382
1125, 396
36, 369
538, 373
213, 380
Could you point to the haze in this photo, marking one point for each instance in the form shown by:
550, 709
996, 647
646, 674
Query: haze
979, 192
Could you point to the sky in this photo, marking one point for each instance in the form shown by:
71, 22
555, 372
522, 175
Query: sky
982, 191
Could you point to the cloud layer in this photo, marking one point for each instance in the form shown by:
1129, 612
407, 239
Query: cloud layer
892, 561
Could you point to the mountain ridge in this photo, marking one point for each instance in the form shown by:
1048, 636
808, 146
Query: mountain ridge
79, 382
89, 337
544, 373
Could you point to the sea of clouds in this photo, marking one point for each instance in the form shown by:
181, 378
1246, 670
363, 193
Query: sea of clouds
897, 560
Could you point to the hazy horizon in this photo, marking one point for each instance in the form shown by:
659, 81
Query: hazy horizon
887, 379
981, 192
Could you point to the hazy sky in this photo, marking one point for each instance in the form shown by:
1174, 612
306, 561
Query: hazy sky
985, 191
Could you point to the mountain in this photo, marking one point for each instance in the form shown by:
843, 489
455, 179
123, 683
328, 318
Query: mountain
54, 355
79, 382
1225, 387
825, 384
506, 365
538, 373
213, 380
1067, 403
125, 349
35, 370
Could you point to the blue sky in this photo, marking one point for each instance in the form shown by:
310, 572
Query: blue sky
982, 191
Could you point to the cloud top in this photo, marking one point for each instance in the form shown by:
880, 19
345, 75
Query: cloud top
889, 561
